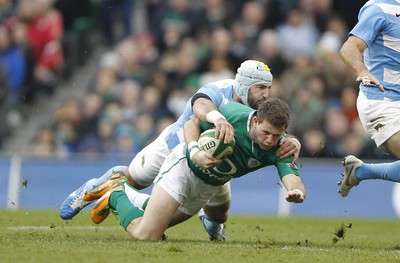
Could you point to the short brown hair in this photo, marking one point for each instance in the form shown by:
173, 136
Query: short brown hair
276, 111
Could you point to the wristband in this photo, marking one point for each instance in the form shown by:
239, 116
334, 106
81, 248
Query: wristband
214, 115
193, 148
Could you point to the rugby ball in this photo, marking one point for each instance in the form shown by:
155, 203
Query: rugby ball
207, 142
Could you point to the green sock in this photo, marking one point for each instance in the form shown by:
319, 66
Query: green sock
126, 211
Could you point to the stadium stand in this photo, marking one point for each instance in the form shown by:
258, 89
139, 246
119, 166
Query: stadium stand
120, 89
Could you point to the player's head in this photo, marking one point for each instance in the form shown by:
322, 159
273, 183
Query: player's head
270, 122
249, 74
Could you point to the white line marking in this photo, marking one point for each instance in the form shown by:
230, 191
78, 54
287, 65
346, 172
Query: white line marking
14, 182
22, 228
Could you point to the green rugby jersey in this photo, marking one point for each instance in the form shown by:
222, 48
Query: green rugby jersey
247, 155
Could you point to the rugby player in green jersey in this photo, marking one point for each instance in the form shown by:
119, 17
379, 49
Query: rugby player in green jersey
187, 180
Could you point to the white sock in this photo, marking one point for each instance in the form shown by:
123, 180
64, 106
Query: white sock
137, 198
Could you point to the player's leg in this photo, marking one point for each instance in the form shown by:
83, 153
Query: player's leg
146, 165
385, 171
140, 174
74, 203
393, 145
382, 122
175, 185
149, 225
159, 212
215, 213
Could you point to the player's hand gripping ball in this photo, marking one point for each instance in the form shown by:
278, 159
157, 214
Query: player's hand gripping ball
219, 150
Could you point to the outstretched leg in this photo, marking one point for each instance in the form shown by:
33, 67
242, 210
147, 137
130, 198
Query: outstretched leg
74, 203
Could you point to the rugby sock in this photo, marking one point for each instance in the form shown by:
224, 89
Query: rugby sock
211, 226
137, 198
384, 171
97, 181
126, 211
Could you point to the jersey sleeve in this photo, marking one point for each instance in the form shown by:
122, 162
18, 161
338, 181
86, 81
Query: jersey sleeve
371, 20
285, 167
211, 92
204, 125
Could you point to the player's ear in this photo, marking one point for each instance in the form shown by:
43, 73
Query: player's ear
255, 121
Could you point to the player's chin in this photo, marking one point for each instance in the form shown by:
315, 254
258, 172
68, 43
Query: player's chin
265, 147
260, 101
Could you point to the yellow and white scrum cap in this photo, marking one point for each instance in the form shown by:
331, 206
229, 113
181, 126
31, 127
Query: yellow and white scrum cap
251, 72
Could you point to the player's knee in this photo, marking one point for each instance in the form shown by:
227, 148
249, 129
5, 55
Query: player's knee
130, 179
133, 183
393, 145
145, 235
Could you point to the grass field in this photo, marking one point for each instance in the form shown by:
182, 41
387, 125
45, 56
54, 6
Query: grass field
41, 236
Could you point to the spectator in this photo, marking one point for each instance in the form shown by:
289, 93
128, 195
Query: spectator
45, 30
313, 143
88, 139
113, 12
144, 127
155, 72
336, 128
333, 37
269, 49
13, 63
126, 142
306, 109
45, 144
218, 69
106, 85
7, 9
151, 101
297, 24
348, 99
252, 16
21, 39
78, 18
215, 15
130, 92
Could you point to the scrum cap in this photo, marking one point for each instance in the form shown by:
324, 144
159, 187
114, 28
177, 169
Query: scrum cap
249, 73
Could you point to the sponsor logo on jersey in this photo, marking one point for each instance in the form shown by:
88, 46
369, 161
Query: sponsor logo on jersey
253, 163
292, 166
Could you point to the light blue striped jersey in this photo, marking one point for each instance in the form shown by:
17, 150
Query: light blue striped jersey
220, 92
379, 26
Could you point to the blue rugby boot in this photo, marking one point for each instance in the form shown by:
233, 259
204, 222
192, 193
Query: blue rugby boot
74, 203
217, 233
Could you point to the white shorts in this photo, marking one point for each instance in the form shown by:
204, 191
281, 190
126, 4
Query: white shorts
178, 180
380, 118
147, 163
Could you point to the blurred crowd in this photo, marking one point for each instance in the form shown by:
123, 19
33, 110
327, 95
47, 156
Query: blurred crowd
143, 82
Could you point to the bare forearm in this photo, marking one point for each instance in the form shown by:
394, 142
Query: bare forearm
296, 192
202, 106
191, 130
352, 54
205, 110
292, 182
